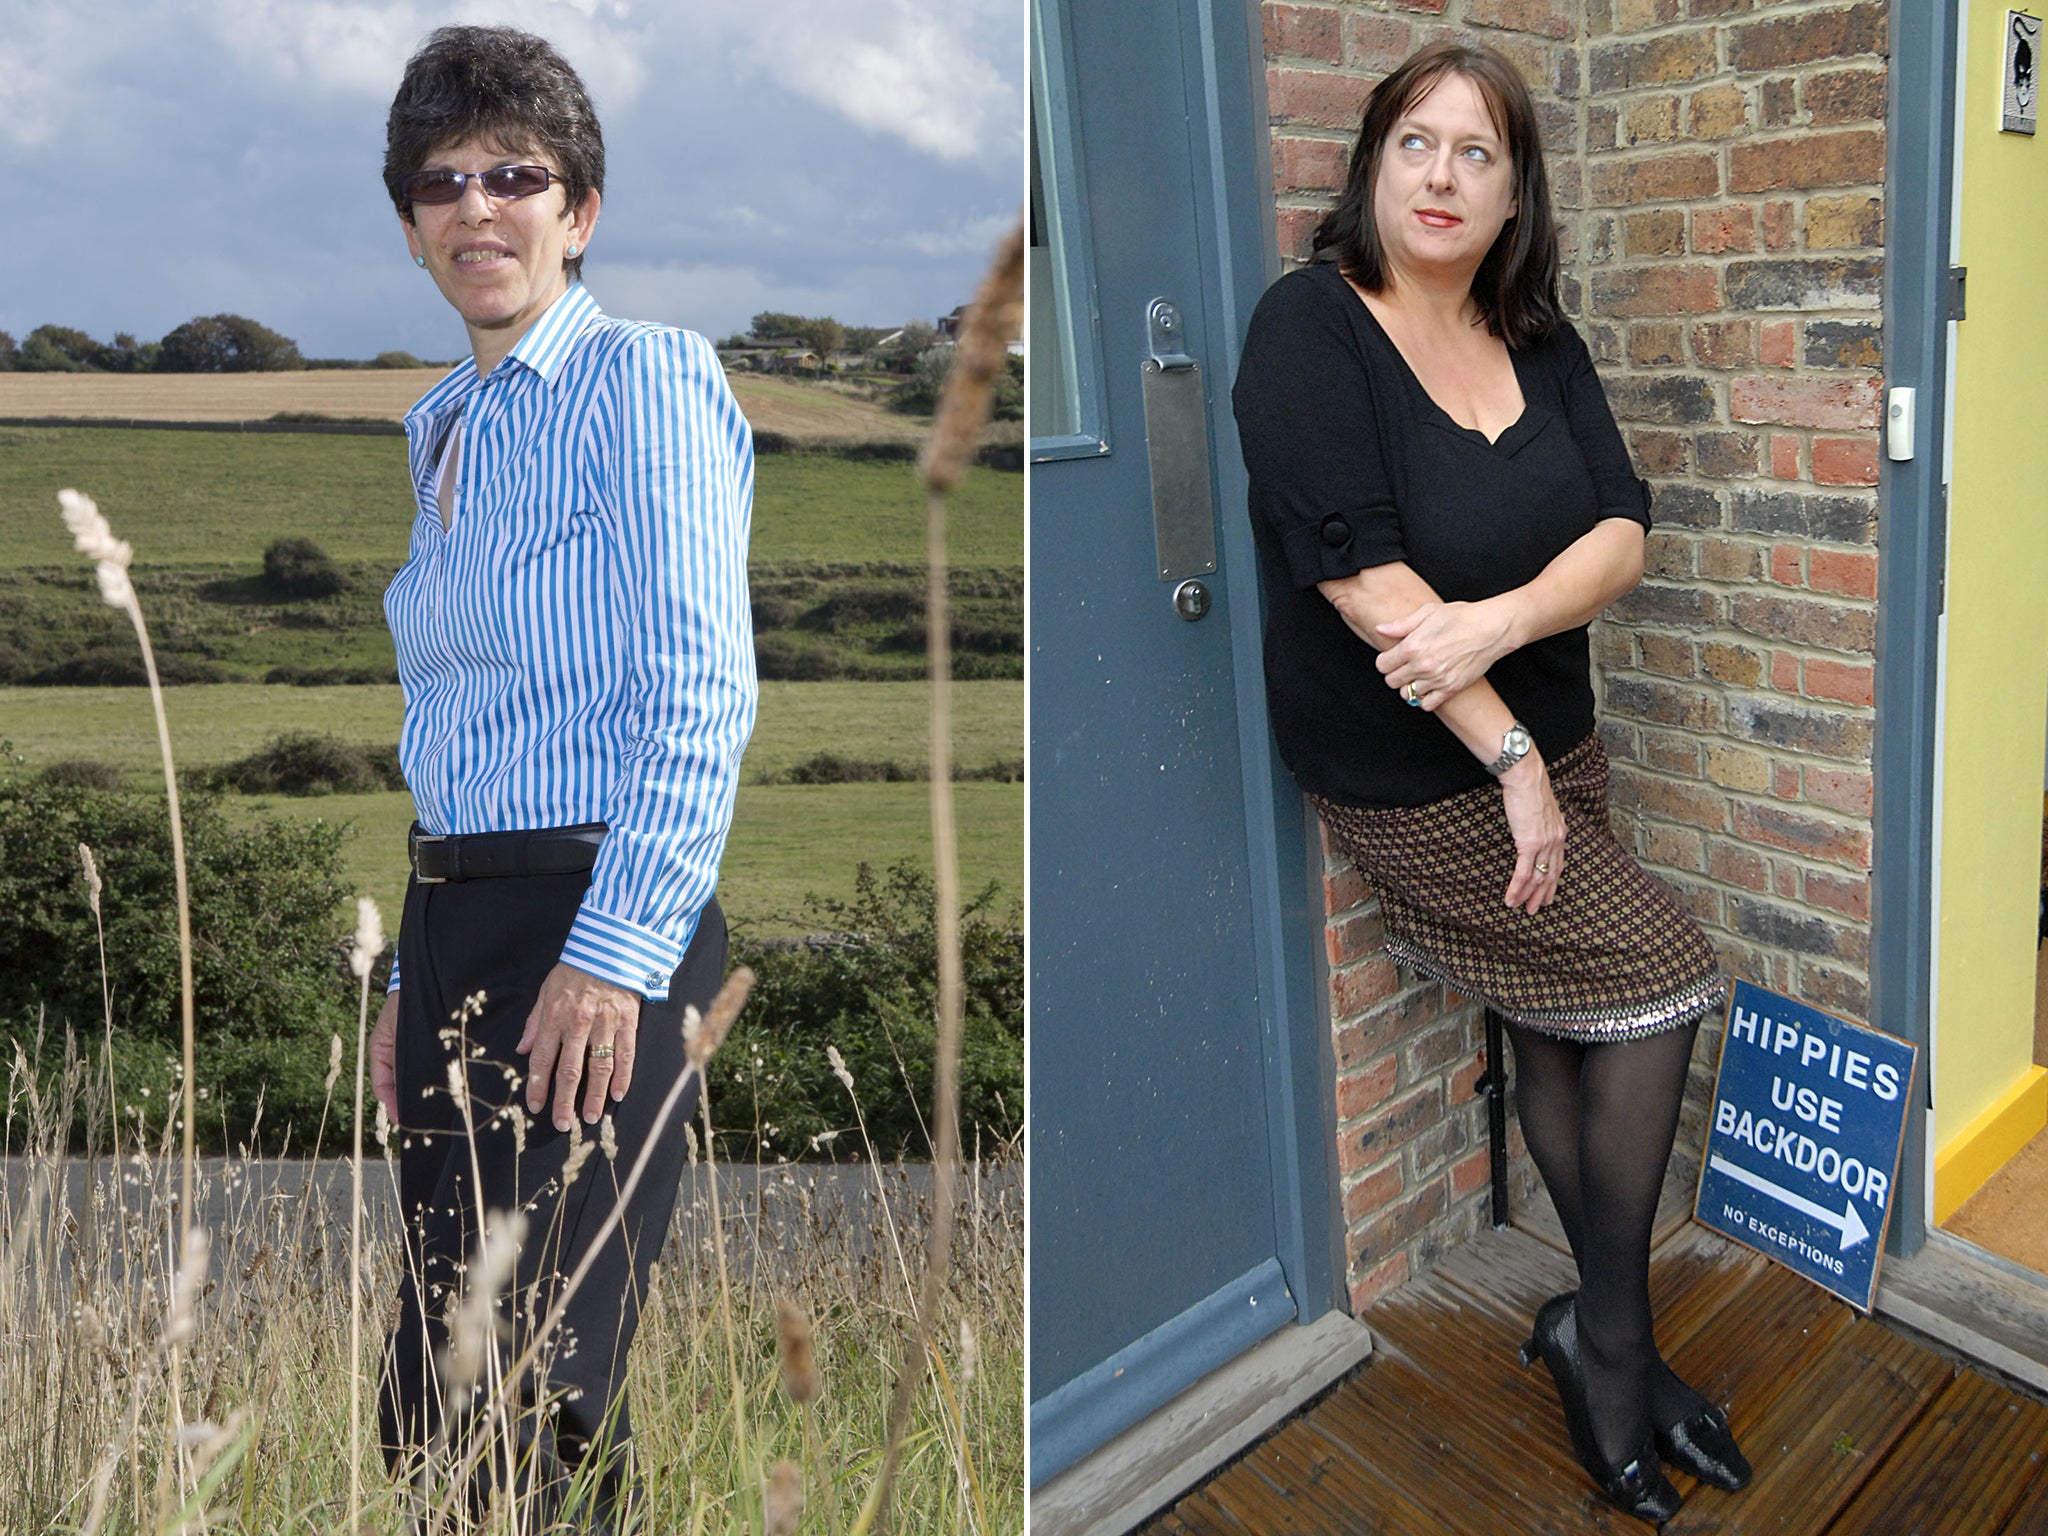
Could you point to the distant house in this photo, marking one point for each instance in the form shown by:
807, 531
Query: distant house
798, 360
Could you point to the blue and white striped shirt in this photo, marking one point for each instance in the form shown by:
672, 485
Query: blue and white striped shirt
578, 646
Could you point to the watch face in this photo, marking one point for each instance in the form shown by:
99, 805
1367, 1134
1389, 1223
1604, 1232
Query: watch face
1517, 741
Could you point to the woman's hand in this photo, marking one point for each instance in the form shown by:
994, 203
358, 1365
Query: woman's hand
1443, 648
384, 1057
1538, 826
574, 1013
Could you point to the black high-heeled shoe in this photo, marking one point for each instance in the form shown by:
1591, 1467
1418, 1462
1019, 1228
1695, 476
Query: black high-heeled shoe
1704, 1446
1637, 1485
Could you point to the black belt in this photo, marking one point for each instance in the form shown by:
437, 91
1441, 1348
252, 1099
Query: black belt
438, 858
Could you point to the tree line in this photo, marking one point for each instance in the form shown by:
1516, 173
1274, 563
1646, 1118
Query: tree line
203, 344
824, 335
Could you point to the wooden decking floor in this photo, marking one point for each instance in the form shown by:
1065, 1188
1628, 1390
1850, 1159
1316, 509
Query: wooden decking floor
1853, 1427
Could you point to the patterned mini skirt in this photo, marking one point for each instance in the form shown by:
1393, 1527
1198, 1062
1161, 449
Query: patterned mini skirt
1613, 957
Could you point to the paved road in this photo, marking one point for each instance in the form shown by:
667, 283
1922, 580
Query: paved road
301, 1206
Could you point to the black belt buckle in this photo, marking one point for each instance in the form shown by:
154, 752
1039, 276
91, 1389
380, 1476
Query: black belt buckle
418, 839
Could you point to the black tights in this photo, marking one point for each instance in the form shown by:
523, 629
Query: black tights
1599, 1120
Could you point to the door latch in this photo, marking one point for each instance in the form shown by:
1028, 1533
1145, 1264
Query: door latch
1177, 449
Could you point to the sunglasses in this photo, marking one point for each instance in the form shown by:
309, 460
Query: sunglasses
500, 183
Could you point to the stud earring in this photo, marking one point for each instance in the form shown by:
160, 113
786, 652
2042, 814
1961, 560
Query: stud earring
419, 261
575, 250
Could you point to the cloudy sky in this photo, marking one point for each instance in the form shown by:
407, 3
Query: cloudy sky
172, 158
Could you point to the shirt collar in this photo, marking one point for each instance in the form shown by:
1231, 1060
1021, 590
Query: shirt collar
543, 349
547, 345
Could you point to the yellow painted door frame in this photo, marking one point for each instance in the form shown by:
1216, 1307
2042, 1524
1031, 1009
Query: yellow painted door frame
1989, 1096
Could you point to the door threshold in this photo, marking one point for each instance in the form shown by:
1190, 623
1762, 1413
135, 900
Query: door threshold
1117, 1486
1975, 1302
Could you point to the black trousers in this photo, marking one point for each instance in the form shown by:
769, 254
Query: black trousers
497, 940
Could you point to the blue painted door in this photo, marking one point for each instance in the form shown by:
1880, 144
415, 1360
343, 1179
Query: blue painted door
1171, 1040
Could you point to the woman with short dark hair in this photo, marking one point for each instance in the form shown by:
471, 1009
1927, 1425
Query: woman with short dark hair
1435, 473
576, 652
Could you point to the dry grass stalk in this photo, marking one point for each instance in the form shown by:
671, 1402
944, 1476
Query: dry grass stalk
111, 558
369, 944
994, 318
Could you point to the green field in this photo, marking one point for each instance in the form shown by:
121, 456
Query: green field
837, 546
878, 721
787, 842
223, 496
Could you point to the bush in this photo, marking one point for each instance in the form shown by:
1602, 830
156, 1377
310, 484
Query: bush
328, 677
870, 988
780, 657
82, 773
309, 763
270, 976
396, 360
120, 666
295, 567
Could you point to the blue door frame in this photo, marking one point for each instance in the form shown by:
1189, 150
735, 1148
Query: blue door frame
1913, 519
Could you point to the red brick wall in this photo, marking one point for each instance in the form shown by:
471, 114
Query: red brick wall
1718, 169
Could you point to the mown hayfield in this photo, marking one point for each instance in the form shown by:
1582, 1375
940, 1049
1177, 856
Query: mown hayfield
218, 496
812, 412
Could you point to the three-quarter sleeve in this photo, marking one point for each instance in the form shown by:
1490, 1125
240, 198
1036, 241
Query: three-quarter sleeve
681, 494
1308, 429
1620, 491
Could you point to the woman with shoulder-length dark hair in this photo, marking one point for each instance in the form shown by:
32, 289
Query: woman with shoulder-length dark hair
576, 652
1442, 503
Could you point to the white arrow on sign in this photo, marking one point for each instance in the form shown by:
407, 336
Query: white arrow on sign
1850, 1224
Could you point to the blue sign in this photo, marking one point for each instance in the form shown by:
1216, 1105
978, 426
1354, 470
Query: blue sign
1803, 1148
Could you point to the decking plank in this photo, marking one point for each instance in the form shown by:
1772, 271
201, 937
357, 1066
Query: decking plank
2030, 1515
1853, 1427
1488, 1456
1819, 1440
1961, 1470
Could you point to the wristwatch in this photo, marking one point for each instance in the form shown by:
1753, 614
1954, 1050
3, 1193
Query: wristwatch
1514, 746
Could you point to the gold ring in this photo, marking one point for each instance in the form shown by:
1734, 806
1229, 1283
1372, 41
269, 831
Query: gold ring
600, 1053
1409, 693
1542, 869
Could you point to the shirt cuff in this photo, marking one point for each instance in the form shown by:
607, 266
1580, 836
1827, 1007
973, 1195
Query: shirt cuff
391, 985
624, 954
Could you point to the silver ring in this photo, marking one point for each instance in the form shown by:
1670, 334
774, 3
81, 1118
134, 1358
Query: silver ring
600, 1053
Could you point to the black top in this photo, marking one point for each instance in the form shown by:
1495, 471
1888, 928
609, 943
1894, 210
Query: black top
1353, 465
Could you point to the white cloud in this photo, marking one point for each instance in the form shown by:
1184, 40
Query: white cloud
359, 47
966, 237
906, 68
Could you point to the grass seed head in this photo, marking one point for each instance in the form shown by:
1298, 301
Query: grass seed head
839, 1066
475, 1321
783, 1506
995, 316
369, 937
579, 1152
92, 878
187, 1287
95, 540
702, 1043
800, 1378
333, 1060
